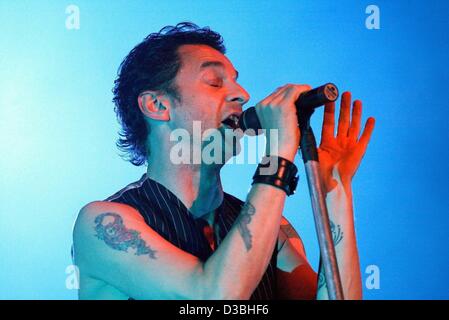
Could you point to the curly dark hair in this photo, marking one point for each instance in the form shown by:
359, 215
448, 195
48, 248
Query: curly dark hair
152, 65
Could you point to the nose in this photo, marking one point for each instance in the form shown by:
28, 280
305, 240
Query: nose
238, 94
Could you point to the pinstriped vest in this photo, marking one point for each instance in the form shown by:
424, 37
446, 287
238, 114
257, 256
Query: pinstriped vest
168, 216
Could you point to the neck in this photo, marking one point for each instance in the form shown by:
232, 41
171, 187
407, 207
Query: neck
198, 186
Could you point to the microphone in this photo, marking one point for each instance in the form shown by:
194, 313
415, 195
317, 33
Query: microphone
308, 100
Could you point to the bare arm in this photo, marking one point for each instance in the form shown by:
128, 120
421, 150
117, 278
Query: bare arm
296, 278
340, 156
113, 243
339, 204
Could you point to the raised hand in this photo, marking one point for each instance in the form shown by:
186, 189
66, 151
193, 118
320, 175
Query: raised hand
340, 155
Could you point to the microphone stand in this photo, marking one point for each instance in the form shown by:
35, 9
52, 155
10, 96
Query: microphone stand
320, 213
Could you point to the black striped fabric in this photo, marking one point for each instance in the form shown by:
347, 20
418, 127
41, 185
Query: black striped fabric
168, 216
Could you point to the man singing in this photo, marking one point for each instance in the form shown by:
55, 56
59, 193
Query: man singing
175, 234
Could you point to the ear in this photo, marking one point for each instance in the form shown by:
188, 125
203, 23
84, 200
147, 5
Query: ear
154, 105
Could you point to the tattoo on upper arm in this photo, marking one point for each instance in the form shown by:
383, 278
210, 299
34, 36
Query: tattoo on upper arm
110, 228
246, 213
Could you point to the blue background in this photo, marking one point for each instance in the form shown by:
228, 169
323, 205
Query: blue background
58, 128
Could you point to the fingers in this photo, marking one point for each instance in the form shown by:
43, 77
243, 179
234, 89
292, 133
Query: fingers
286, 94
354, 129
327, 132
343, 119
267, 100
347, 130
274, 97
289, 93
367, 131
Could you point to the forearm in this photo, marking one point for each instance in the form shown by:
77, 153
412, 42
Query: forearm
339, 204
236, 267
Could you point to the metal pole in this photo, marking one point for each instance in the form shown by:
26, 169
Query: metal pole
320, 213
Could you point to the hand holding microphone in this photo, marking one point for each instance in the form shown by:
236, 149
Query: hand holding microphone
309, 99
280, 111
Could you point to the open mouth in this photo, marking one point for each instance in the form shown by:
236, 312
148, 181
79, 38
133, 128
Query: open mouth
232, 121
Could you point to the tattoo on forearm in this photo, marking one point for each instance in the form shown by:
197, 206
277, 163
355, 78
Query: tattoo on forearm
337, 234
247, 212
117, 236
321, 279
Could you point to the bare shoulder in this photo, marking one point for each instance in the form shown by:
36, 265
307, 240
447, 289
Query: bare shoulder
120, 256
86, 251
90, 211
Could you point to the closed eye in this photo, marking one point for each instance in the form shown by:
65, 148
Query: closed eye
216, 83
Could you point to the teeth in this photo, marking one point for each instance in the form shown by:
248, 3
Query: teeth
234, 118
232, 121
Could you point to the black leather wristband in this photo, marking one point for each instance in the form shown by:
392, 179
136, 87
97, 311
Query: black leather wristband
278, 172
